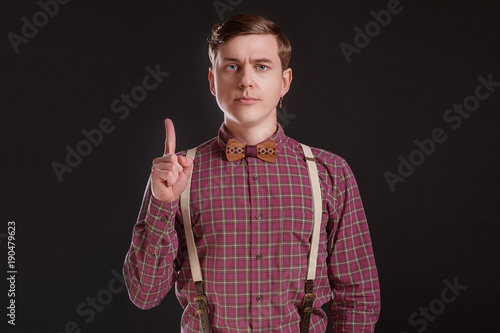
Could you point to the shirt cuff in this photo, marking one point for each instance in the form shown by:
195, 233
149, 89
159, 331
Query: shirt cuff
160, 221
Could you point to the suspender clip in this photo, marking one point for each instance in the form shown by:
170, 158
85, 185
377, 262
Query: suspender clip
307, 302
201, 301
308, 298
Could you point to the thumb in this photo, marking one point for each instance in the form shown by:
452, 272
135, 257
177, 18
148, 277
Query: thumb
185, 162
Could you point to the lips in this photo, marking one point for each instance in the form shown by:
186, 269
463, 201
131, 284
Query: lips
247, 100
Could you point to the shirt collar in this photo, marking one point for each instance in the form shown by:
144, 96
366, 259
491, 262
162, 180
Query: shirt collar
224, 136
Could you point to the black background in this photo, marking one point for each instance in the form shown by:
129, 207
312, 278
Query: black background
441, 223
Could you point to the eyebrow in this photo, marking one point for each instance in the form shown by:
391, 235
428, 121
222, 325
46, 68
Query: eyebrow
260, 60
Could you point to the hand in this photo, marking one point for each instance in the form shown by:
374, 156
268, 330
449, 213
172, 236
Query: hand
170, 172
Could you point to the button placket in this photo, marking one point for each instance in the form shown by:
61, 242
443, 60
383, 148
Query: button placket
255, 217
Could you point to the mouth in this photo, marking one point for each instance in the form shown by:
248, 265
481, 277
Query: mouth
246, 100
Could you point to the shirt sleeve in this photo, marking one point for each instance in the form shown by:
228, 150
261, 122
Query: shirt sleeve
150, 267
351, 264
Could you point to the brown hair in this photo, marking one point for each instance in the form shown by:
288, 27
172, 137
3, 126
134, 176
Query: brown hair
246, 24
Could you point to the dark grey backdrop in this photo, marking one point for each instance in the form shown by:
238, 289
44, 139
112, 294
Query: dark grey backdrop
440, 224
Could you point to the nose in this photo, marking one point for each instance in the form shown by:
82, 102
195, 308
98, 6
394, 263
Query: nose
246, 79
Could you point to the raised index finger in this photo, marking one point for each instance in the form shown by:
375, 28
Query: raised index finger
170, 137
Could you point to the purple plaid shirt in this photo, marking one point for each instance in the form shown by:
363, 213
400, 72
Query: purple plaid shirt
252, 224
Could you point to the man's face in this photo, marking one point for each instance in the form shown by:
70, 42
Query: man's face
247, 79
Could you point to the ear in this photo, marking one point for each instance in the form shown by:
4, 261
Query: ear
211, 79
286, 81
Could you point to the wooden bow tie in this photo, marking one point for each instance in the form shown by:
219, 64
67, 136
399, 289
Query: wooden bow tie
236, 150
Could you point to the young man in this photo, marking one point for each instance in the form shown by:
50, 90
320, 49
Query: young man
252, 211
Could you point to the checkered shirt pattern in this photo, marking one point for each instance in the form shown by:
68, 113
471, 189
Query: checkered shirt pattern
252, 224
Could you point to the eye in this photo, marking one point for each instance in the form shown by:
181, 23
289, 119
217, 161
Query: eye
262, 67
232, 67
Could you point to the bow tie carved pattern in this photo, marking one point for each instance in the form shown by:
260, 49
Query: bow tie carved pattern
236, 150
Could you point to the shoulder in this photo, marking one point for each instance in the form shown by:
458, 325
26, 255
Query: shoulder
322, 157
333, 170
203, 148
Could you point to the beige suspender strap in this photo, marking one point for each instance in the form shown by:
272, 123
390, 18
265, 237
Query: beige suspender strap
194, 261
307, 304
316, 191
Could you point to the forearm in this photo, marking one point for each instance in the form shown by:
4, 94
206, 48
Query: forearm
356, 304
356, 308
149, 268
354, 279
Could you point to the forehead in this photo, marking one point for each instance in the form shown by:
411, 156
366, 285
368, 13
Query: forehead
250, 47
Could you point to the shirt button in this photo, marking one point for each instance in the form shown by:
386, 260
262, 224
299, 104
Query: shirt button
163, 219
258, 217
259, 298
256, 178
258, 257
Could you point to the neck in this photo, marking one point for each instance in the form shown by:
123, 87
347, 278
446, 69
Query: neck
251, 134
